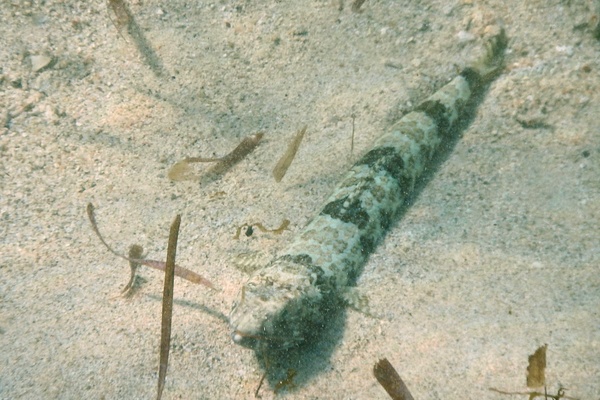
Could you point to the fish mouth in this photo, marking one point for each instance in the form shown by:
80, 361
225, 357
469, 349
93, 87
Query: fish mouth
244, 339
260, 342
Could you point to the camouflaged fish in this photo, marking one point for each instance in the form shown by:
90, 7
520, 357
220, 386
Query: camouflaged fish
290, 299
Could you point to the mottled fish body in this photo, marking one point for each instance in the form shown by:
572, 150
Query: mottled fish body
289, 300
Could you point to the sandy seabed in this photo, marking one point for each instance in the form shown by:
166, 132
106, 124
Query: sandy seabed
498, 254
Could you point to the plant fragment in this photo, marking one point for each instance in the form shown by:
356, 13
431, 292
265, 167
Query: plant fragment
167, 306
536, 378
123, 16
181, 171
387, 377
356, 4
249, 228
286, 160
560, 394
135, 253
537, 367
179, 271
125, 22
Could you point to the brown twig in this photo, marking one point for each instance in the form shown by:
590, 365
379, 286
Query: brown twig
286, 160
387, 377
560, 394
167, 306
179, 271
262, 379
536, 376
242, 150
181, 170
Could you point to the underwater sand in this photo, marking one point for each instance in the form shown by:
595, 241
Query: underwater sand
498, 254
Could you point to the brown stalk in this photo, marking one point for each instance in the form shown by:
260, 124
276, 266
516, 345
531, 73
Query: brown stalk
167, 306
387, 377
181, 170
286, 160
536, 376
160, 265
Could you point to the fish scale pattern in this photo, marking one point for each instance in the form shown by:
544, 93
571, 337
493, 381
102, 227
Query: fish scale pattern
289, 300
